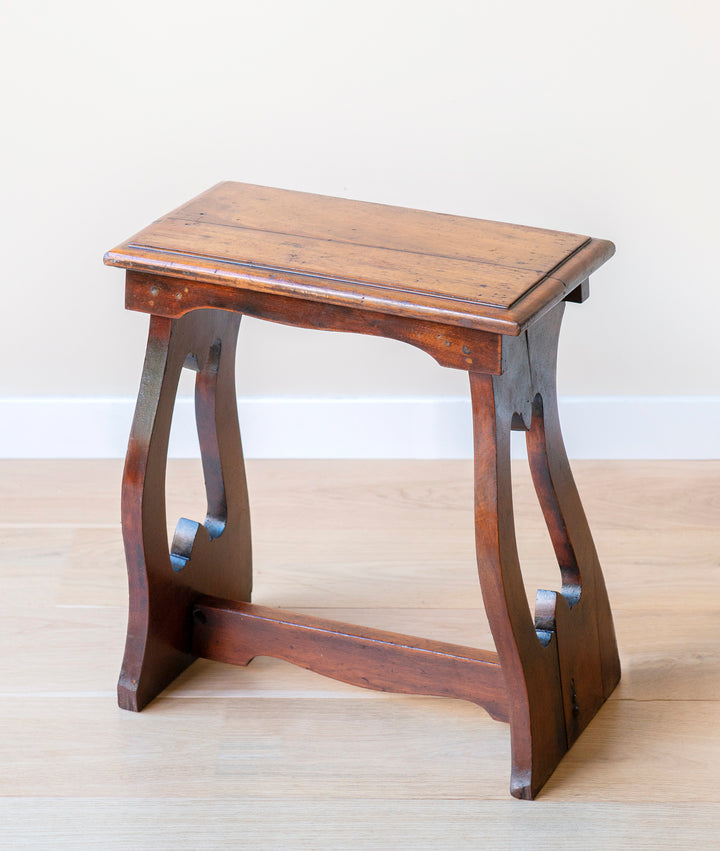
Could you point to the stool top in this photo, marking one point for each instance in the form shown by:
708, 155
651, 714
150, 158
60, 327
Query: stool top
480, 274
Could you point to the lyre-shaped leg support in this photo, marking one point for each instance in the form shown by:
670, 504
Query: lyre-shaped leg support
560, 668
210, 558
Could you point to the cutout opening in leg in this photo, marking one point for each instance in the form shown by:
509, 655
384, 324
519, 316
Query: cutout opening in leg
185, 492
535, 550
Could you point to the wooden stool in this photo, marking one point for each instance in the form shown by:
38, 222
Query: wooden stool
480, 296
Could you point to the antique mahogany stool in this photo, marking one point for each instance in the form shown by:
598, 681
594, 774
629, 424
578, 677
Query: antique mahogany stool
480, 296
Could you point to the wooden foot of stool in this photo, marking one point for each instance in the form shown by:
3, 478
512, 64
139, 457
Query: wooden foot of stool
211, 558
560, 668
478, 296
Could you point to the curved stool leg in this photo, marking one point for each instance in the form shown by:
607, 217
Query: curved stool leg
213, 558
561, 667
590, 669
532, 675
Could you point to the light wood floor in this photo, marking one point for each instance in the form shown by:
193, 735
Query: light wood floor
271, 756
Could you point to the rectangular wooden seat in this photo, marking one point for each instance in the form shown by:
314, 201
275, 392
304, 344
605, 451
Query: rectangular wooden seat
479, 274
484, 297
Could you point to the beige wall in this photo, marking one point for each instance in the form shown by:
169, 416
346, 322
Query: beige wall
596, 118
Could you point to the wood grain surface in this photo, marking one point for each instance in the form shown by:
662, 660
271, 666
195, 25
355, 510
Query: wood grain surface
432, 266
224, 758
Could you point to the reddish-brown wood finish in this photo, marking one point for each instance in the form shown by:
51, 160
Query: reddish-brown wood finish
212, 558
232, 632
562, 667
450, 345
478, 296
487, 275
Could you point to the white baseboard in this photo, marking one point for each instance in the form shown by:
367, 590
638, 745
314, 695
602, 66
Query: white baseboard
437, 427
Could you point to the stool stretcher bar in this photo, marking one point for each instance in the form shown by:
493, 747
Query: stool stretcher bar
227, 631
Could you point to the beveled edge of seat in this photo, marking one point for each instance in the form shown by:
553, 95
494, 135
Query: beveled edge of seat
512, 321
